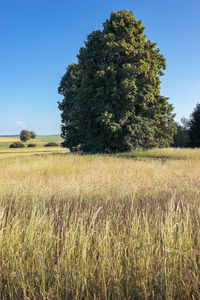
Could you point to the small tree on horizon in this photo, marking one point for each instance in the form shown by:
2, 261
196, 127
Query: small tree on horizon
33, 135
25, 135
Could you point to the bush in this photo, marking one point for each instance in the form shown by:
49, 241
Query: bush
17, 145
31, 145
51, 144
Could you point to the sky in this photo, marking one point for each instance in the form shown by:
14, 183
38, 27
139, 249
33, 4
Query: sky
40, 38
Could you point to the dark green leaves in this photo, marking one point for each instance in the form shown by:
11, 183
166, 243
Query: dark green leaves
194, 127
25, 135
112, 96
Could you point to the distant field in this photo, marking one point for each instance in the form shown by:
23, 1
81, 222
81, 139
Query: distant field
9, 139
123, 226
39, 141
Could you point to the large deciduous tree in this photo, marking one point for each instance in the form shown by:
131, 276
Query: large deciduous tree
112, 98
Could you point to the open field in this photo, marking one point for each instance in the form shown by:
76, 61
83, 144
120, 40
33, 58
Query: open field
40, 140
123, 226
9, 139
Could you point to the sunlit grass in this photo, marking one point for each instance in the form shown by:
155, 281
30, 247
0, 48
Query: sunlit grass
100, 226
39, 141
166, 153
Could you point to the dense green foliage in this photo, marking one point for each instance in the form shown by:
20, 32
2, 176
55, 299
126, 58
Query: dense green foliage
194, 127
181, 137
112, 98
17, 145
33, 135
25, 135
188, 132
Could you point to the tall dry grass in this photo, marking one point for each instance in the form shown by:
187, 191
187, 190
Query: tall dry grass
100, 227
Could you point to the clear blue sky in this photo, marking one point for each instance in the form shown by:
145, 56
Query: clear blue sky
39, 38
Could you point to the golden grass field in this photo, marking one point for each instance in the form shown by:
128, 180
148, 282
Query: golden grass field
120, 226
40, 141
8, 139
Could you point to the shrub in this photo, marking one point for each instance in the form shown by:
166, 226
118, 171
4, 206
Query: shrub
31, 145
51, 144
17, 145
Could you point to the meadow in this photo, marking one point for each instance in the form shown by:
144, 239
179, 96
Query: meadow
40, 141
123, 226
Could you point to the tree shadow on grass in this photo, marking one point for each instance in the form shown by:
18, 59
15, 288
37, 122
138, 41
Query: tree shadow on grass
126, 155
134, 155
143, 157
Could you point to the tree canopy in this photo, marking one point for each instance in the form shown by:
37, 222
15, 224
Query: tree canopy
112, 98
25, 135
181, 137
194, 127
33, 135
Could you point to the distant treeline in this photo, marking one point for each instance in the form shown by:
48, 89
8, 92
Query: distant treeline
8, 135
188, 131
